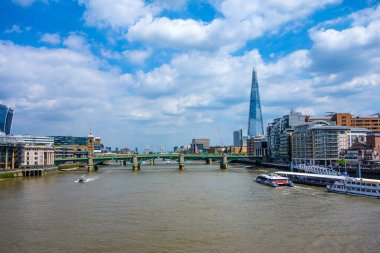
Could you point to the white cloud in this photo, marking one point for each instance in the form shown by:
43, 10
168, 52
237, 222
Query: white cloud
116, 13
348, 52
51, 38
137, 57
24, 3
76, 42
28, 3
242, 21
14, 29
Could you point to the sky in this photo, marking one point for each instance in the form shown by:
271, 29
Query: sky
162, 72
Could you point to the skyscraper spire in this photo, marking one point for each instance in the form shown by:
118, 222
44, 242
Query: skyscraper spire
255, 121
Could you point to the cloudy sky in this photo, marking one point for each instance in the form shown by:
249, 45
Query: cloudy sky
161, 72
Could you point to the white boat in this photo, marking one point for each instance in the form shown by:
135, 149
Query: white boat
274, 180
356, 186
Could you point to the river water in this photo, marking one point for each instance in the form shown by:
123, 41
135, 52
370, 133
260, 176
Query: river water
161, 209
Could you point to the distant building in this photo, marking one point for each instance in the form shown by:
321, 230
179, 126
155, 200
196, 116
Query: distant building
372, 123
91, 144
70, 140
238, 138
373, 141
258, 146
236, 150
357, 134
36, 140
6, 115
217, 150
279, 134
200, 146
64, 152
255, 119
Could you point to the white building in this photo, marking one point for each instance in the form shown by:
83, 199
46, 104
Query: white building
38, 155
357, 134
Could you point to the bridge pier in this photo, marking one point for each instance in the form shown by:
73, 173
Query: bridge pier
91, 164
209, 161
224, 162
151, 161
135, 163
181, 162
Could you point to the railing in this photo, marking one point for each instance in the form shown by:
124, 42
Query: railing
317, 170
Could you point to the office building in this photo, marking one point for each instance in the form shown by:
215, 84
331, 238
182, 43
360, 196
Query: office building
255, 119
279, 134
6, 115
69, 140
238, 138
200, 146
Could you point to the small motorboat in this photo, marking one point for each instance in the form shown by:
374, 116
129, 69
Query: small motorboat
81, 180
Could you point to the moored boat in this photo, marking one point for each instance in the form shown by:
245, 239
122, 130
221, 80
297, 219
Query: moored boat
356, 186
274, 180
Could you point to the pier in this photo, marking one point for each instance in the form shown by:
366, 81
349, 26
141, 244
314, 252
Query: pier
311, 179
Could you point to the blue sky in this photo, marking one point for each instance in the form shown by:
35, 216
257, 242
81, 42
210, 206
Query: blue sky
163, 72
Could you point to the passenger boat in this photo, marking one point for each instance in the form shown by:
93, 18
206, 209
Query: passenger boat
356, 186
274, 180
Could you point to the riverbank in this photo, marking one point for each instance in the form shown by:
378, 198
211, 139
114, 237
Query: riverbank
26, 172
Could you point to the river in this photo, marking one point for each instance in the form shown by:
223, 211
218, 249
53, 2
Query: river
161, 209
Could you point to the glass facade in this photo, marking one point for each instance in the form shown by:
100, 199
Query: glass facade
255, 121
6, 115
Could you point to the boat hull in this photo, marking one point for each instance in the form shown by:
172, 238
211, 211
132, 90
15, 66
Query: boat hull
270, 183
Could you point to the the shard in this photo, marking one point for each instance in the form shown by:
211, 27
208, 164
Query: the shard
255, 121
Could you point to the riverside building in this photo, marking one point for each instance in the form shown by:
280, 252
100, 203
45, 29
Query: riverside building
11, 152
38, 156
279, 134
318, 143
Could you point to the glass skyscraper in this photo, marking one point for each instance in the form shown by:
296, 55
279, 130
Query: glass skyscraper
255, 121
6, 115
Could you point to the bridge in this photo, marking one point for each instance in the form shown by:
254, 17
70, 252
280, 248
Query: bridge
137, 159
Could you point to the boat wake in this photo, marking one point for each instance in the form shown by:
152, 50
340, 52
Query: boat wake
84, 179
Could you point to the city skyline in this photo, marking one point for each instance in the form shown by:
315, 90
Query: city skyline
165, 72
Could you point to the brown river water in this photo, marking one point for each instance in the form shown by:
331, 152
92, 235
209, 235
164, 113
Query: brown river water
161, 209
